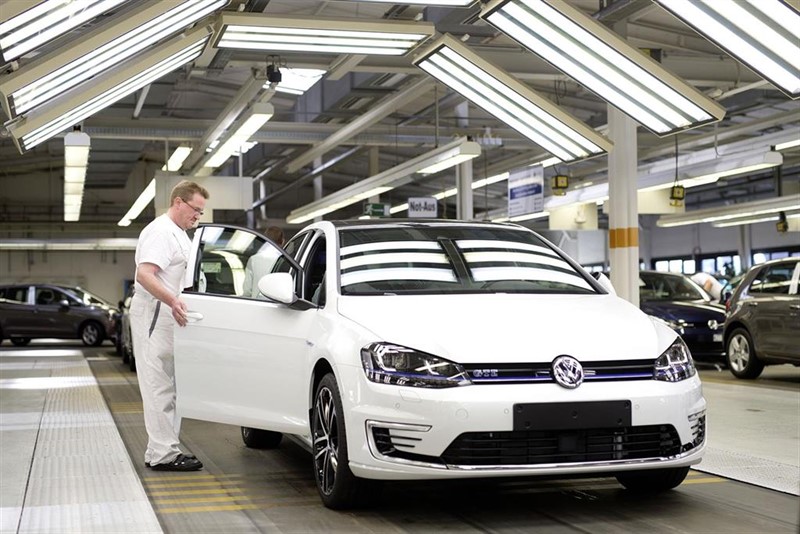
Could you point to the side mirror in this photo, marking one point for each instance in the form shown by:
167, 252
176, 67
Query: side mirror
63, 304
604, 282
278, 287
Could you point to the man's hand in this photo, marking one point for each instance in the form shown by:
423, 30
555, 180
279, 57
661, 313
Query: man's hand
179, 311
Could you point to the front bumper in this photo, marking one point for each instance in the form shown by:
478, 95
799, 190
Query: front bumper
416, 433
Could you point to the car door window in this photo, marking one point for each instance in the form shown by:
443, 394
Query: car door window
294, 248
774, 280
45, 296
315, 267
232, 260
15, 294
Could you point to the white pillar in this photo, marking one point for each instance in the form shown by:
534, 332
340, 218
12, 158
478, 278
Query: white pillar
464, 209
745, 246
623, 219
317, 182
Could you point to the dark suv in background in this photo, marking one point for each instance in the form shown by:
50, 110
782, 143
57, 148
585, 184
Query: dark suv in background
29, 311
763, 322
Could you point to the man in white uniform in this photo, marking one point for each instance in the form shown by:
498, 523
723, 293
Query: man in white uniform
161, 256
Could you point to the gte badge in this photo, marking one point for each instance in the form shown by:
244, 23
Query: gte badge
568, 372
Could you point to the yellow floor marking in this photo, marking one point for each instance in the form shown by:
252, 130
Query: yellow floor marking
229, 507
195, 492
190, 484
193, 500
704, 481
170, 478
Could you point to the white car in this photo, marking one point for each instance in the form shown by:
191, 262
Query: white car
433, 350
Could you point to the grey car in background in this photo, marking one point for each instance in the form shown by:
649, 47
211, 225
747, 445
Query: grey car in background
30, 311
762, 326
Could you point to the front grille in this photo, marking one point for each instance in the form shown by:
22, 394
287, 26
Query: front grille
532, 447
523, 373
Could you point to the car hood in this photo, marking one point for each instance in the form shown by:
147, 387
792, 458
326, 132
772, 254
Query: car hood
697, 311
510, 328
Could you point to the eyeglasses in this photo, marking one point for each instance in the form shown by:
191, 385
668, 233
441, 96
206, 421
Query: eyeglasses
197, 210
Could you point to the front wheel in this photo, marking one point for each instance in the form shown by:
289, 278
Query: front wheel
654, 480
337, 486
741, 355
20, 341
256, 438
91, 334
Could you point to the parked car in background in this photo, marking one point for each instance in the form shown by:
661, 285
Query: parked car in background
418, 349
29, 311
126, 341
763, 323
687, 309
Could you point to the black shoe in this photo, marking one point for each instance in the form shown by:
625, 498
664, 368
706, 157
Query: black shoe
181, 463
188, 455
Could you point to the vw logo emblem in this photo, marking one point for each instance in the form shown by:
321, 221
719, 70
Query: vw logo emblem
568, 372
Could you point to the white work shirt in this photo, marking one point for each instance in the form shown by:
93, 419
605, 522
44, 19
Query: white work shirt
165, 244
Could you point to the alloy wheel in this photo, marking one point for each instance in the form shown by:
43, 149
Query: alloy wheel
739, 353
326, 440
90, 334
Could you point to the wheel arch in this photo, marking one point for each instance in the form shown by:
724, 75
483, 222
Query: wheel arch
321, 368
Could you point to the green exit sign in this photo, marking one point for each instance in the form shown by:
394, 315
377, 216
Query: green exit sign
376, 209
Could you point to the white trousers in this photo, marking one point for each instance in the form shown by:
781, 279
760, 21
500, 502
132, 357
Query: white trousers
152, 330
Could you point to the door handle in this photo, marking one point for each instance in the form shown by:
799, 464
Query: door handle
194, 317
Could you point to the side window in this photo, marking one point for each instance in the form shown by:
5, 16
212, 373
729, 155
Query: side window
774, 280
45, 296
232, 260
18, 294
315, 267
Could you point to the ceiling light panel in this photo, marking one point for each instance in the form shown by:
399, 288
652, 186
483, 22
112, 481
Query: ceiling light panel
762, 34
45, 21
248, 125
445, 3
509, 100
255, 31
602, 61
80, 103
102, 49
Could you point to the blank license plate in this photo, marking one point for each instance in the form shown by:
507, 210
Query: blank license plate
572, 415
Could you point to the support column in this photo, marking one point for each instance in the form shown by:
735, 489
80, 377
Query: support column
317, 183
745, 246
464, 209
623, 218
373, 169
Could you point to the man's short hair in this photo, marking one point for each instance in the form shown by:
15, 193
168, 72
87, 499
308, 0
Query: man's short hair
186, 190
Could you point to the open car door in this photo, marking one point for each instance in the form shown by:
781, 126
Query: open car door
241, 358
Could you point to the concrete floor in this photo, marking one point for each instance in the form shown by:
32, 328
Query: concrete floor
72, 436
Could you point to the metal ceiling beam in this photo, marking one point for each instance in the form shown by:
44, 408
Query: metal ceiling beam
382, 109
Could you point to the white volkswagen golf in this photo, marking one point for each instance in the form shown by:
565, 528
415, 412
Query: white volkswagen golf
431, 350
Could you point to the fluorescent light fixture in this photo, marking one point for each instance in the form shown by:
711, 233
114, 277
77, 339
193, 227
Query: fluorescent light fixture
762, 34
605, 63
455, 156
451, 62
377, 184
445, 3
526, 217
548, 162
753, 220
297, 81
145, 198
175, 161
239, 134
111, 243
702, 174
254, 31
45, 21
76, 159
787, 145
733, 211
99, 51
84, 101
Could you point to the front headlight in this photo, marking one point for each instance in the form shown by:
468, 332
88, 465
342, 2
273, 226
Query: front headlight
385, 363
675, 364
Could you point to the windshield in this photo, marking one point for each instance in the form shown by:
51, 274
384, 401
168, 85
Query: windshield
440, 259
87, 298
657, 286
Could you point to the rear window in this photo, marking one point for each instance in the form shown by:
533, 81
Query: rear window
433, 259
15, 294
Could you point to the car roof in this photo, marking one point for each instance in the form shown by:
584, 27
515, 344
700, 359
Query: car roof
352, 223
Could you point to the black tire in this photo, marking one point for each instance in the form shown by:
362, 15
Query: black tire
132, 363
91, 334
653, 480
338, 488
256, 438
125, 355
741, 355
20, 341
118, 348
